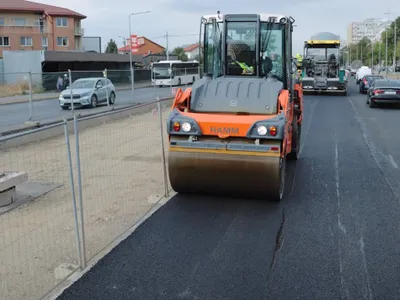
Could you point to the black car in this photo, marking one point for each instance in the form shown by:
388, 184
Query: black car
366, 82
383, 91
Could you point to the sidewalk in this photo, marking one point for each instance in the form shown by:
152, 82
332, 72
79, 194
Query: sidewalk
55, 95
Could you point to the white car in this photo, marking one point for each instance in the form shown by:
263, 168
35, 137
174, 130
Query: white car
88, 92
361, 72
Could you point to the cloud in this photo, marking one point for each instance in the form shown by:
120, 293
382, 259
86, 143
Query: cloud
109, 19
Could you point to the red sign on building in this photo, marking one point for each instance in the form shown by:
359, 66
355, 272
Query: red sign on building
134, 43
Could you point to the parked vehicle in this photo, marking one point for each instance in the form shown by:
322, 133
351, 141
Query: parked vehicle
383, 91
366, 82
361, 72
88, 92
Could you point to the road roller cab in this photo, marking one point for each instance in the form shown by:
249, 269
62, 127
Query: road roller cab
232, 131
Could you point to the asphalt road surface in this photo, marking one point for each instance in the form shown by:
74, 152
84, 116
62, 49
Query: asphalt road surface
14, 115
336, 235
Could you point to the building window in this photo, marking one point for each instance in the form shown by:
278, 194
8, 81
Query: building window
26, 41
19, 22
4, 41
44, 42
1, 21
62, 41
62, 22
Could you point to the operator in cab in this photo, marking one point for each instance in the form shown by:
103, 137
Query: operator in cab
239, 54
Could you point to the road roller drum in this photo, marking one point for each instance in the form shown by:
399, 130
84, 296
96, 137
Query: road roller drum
235, 173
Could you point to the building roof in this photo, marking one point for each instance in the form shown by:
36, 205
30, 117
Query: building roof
27, 6
58, 56
191, 47
127, 47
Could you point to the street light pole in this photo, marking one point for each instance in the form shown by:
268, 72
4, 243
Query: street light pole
395, 45
386, 55
130, 51
167, 50
372, 59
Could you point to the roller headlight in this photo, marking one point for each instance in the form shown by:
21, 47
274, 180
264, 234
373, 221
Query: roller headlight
262, 130
186, 127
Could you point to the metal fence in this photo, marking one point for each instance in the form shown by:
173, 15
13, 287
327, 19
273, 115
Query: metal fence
28, 93
84, 189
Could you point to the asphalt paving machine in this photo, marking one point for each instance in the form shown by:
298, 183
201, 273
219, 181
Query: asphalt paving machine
321, 67
232, 131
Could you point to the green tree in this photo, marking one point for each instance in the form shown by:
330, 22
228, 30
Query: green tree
112, 47
180, 53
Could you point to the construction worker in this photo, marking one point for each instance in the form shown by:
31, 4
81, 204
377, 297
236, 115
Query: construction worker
299, 59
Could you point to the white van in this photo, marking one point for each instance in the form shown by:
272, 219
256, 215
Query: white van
361, 72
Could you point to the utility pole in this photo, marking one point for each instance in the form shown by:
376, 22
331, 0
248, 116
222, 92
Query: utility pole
386, 55
167, 50
130, 51
386, 35
380, 59
395, 45
372, 59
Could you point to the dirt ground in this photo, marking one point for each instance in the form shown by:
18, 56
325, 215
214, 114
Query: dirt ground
122, 178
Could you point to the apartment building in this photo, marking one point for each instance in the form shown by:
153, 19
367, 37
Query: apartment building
26, 25
371, 28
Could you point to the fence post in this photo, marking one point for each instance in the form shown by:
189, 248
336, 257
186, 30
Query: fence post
30, 96
71, 181
153, 80
70, 90
133, 81
105, 76
78, 164
170, 78
163, 148
186, 83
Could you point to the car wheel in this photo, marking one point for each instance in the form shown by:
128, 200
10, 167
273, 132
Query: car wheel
112, 98
93, 101
372, 104
64, 107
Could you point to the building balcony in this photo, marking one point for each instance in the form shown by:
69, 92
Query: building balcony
79, 31
21, 30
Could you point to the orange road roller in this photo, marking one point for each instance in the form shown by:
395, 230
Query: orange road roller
233, 130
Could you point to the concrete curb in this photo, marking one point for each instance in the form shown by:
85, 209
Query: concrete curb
14, 101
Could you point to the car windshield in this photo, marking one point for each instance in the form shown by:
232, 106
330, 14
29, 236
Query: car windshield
83, 84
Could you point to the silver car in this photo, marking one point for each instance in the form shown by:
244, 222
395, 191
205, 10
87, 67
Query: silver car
88, 92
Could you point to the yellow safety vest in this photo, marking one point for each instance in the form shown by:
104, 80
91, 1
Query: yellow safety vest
246, 68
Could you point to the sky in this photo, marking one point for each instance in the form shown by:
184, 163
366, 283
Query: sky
181, 18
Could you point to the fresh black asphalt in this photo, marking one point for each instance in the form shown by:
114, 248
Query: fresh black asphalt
336, 235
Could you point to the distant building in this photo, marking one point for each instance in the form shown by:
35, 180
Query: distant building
28, 25
370, 28
146, 47
192, 51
